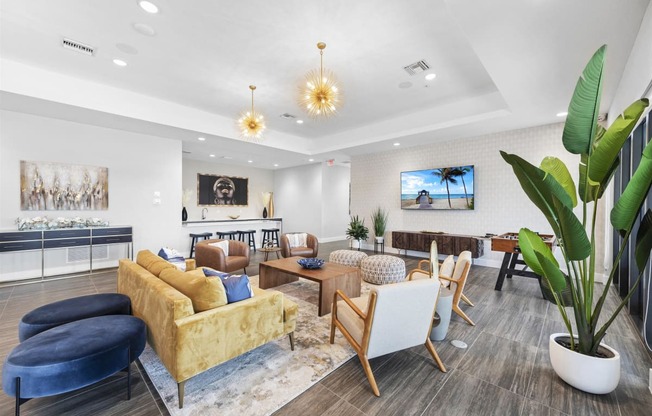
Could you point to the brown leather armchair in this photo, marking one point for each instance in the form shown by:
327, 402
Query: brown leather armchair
309, 250
213, 257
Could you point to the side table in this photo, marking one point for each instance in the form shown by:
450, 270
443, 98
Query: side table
380, 247
268, 250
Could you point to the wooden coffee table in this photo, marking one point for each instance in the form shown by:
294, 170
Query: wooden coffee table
331, 277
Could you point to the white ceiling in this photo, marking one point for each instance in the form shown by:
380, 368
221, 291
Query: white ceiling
500, 65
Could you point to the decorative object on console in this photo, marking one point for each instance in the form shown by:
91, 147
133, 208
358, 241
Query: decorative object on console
185, 200
234, 217
184, 214
268, 204
320, 96
43, 223
251, 123
458, 193
222, 190
311, 263
551, 188
50, 186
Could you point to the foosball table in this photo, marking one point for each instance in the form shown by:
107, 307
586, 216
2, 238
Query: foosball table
508, 244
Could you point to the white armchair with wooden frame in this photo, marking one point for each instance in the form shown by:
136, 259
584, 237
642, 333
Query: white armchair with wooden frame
393, 317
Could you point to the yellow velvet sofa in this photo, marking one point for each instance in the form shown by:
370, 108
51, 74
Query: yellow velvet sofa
188, 341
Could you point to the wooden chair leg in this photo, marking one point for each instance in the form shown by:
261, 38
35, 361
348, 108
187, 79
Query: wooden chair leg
332, 338
461, 313
181, 391
291, 335
465, 299
435, 356
370, 376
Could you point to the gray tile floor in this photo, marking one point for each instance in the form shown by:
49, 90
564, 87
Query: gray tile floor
504, 370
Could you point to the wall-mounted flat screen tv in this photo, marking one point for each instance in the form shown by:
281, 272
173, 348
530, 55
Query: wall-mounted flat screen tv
440, 188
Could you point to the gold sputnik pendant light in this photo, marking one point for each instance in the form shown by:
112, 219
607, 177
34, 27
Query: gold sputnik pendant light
320, 96
251, 123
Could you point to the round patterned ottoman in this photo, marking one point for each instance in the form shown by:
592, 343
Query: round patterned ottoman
70, 310
74, 355
351, 258
382, 269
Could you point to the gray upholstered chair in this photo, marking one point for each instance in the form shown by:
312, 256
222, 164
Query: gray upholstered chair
209, 255
292, 244
393, 317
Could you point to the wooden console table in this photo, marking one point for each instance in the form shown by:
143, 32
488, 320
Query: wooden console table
446, 243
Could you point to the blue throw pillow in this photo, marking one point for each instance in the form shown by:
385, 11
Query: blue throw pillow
237, 288
210, 272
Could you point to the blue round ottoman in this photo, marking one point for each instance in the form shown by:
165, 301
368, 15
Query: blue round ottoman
72, 356
70, 310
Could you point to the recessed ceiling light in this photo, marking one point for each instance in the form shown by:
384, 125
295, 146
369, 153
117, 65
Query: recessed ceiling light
119, 62
562, 114
311, 160
275, 165
397, 144
299, 121
430, 77
149, 7
211, 155
201, 139
144, 29
250, 161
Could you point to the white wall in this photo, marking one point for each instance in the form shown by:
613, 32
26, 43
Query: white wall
139, 165
313, 198
500, 204
260, 180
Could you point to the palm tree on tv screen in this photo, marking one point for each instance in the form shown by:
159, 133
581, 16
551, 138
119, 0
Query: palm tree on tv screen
461, 171
446, 175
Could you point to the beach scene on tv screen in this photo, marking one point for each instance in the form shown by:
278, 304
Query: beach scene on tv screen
440, 188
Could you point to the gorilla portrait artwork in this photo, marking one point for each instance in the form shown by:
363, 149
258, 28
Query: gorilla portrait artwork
221, 190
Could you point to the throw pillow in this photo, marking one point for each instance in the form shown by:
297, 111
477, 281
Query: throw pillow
170, 254
237, 287
298, 240
224, 245
208, 272
204, 292
446, 269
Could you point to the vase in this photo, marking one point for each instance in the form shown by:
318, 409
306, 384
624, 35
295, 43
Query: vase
271, 205
264, 212
184, 214
596, 375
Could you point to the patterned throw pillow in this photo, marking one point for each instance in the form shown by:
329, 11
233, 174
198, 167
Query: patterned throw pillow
224, 245
298, 240
170, 254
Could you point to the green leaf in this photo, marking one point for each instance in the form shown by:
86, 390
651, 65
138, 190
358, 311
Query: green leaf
539, 187
575, 242
608, 148
559, 171
530, 243
644, 241
579, 130
627, 207
555, 277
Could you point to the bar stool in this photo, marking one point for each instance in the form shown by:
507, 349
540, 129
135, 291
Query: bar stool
270, 235
251, 237
196, 238
231, 235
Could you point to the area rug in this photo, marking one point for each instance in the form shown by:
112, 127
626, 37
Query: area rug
263, 380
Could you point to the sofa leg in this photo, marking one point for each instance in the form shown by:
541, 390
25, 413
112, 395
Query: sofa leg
245, 270
17, 396
181, 389
291, 334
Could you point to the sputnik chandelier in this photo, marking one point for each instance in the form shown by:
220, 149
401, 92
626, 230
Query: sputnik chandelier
320, 96
250, 123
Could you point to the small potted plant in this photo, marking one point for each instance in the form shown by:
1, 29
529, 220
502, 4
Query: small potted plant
379, 219
357, 230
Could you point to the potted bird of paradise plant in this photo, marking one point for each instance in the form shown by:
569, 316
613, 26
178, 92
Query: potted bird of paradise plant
580, 357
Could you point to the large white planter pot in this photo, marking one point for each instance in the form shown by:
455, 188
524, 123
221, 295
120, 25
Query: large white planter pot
590, 374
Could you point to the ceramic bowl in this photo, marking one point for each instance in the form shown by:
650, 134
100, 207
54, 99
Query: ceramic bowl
311, 263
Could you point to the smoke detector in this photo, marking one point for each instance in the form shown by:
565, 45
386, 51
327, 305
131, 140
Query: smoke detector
417, 67
78, 46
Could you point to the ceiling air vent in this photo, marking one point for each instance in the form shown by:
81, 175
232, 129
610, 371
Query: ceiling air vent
78, 46
417, 67
287, 116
